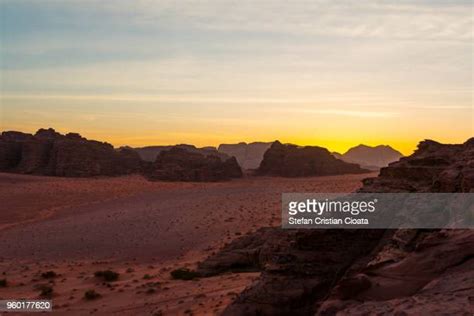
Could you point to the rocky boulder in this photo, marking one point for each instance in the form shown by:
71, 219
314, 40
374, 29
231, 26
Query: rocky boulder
180, 164
293, 161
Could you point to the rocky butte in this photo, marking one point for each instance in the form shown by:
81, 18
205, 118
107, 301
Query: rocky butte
52, 154
293, 161
364, 272
150, 153
180, 164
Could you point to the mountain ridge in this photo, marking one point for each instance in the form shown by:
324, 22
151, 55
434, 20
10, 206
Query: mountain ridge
370, 157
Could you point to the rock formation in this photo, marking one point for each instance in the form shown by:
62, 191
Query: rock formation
433, 167
150, 153
180, 164
11, 148
372, 158
293, 161
52, 154
364, 272
249, 156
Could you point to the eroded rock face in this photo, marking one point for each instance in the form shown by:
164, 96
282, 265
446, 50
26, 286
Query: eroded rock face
299, 267
362, 272
433, 273
10, 148
293, 161
52, 154
434, 167
179, 164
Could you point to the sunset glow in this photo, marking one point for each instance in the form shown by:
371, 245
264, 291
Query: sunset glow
333, 74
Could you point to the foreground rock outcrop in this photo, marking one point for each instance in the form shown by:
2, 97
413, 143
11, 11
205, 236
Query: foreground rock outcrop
249, 156
364, 272
433, 167
293, 161
179, 164
52, 154
368, 157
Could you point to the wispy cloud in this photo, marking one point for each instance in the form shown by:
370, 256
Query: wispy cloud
372, 114
222, 65
344, 112
415, 20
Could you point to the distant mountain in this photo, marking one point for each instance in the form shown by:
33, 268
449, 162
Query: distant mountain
370, 157
249, 156
150, 153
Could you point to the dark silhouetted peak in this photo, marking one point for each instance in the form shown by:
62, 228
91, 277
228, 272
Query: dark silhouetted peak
49, 133
428, 144
469, 142
16, 136
74, 136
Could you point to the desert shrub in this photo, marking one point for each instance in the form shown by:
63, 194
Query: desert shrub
91, 295
147, 277
49, 275
184, 274
3, 282
150, 291
45, 290
107, 275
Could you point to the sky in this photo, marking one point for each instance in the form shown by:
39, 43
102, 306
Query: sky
329, 73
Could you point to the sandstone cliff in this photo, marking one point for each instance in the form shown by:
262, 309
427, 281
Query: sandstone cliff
52, 154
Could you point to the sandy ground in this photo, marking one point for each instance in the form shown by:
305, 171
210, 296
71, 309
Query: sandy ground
75, 227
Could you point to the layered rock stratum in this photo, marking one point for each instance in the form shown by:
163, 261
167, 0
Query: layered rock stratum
364, 272
288, 160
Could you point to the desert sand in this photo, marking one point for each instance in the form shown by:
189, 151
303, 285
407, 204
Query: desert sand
140, 229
